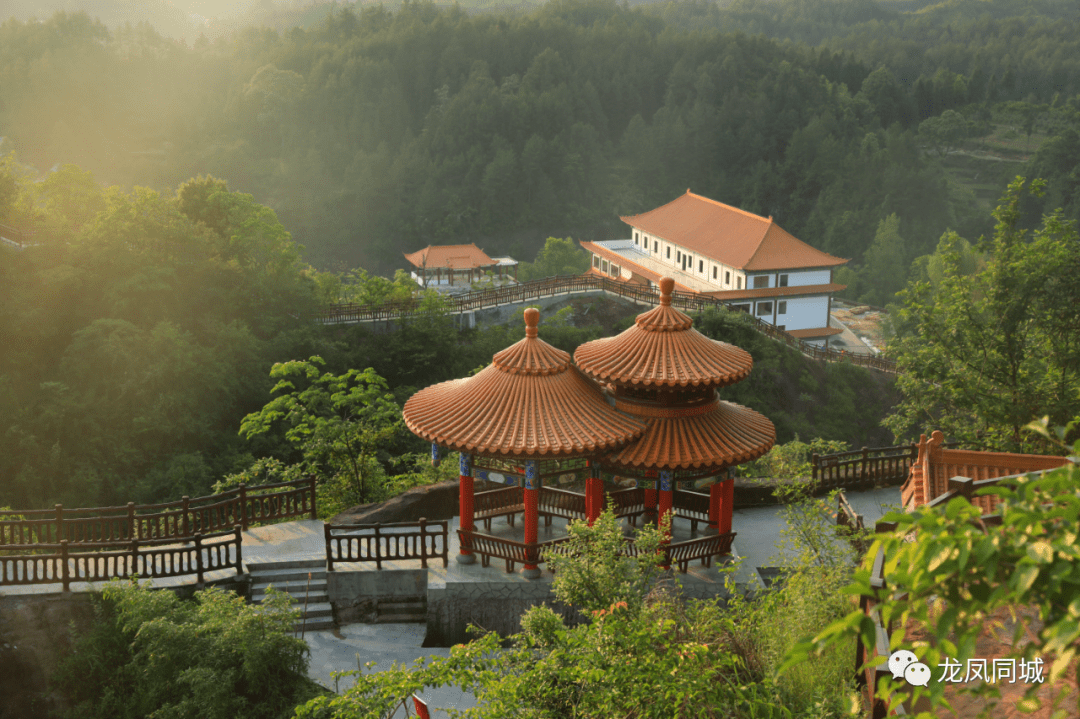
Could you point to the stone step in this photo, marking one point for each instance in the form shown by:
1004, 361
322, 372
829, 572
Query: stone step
297, 599
294, 587
401, 611
314, 624
258, 567
287, 574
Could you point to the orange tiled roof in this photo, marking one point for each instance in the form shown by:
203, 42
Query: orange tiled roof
663, 350
456, 257
735, 237
716, 434
529, 402
935, 466
776, 292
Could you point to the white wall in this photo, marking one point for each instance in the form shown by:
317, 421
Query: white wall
805, 313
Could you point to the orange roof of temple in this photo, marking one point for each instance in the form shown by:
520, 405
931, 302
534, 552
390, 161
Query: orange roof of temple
529, 402
455, 257
735, 237
716, 434
663, 350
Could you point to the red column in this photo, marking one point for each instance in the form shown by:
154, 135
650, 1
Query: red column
594, 498
666, 505
532, 511
465, 505
727, 502
716, 503
650, 507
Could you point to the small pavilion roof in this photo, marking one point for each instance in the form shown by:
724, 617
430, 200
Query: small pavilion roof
663, 350
454, 257
713, 435
530, 402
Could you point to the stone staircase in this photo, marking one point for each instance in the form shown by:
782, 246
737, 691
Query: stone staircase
401, 611
292, 577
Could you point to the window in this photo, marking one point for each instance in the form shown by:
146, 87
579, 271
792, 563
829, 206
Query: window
741, 308
596, 261
637, 239
714, 272
783, 281
764, 309
740, 283
678, 256
727, 278
701, 265
604, 266
781, 308
669, 253
761, 281
655, 246
782, 328
615, 270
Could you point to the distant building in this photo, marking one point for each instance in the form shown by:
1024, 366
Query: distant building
442, 264
746, 260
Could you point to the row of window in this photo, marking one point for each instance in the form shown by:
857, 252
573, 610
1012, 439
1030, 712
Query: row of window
604, 266
765, 308
685, 262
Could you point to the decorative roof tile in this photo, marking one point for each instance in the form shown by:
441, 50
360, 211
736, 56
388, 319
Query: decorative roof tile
717, 435
530, 402
727, 234
663, 350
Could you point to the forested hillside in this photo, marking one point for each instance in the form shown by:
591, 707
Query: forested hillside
142, 328
377, 131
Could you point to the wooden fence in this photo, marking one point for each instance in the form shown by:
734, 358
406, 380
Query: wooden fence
66, 562
553, 286
380, 543
173, 520
865, 468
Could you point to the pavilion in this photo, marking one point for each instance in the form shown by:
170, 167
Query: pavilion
439, 264
642, 406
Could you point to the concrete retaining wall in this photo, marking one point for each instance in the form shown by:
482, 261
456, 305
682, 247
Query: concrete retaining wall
354, 595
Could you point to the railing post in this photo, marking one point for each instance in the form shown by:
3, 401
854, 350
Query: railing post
243, 506
134, 551
327, 539
131, 520
862, 472
814, 468
378, 547
61, 533
198, 557
65, 572
239, 538
184, 519
423, 542
311, 484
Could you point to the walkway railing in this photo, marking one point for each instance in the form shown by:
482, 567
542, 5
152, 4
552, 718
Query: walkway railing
172, 520
378, 543
864, 468
66, 562
552, 286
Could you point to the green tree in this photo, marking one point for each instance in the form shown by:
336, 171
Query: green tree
944, 132
558, 257
336, 422
883, 270
151, 654
994, 349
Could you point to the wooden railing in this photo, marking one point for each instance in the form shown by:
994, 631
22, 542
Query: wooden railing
514, 552
506, 501
173, 520
552, 286
864, 468
693, 506
380, 543
68, 562
556, 502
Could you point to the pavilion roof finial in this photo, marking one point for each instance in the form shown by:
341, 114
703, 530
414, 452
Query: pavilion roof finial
667, 285
532, 319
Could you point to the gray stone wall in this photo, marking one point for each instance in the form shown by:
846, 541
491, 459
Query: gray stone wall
355, 595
